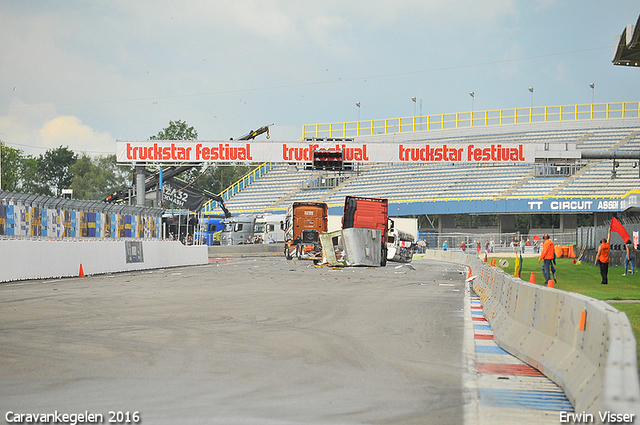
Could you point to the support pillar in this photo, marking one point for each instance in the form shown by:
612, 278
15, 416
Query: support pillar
506, 223
140, 189
446, 222
568, 222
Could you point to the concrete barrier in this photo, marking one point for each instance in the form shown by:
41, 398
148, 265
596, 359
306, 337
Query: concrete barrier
259, 250
584, 345
23, 259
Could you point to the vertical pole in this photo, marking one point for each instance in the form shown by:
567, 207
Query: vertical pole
159, 201
140, 190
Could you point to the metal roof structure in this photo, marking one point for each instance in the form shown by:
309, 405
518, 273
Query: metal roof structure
627, 50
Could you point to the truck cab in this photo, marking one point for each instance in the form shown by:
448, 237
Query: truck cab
303, 224
269, 225
237, 230
368, 213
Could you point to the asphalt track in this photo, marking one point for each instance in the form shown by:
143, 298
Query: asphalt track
240, 341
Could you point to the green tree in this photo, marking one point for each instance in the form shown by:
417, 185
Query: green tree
31, 177
177, 130
11, 164
55, 166
95, 178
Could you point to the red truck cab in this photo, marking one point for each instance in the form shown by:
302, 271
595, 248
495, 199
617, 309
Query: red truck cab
368, 213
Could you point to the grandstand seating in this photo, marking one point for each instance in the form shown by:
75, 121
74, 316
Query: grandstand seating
281, 186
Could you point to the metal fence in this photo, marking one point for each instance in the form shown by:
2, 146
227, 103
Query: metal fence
497, 242
25, 215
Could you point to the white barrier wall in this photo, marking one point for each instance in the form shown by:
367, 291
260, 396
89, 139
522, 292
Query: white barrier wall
38, 259
584, 345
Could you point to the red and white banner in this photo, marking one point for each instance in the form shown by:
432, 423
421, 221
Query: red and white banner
154, 151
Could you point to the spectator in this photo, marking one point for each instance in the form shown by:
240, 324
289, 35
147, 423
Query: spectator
463, 246
548, 254
630, 258
444, 246
422, 244
602, 258
491, 245
522, 245
249, 240
270, 239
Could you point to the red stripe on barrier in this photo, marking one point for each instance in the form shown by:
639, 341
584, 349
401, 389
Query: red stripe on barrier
483, 336
479, 319
507, 369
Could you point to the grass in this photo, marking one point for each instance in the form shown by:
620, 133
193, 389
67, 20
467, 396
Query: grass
585, 279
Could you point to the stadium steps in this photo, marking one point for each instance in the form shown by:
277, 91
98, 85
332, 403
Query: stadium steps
344, 183
577, 174
284, 199
622, 142
592, 165
519, 183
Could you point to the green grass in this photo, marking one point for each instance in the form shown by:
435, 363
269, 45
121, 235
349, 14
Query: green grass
585, 279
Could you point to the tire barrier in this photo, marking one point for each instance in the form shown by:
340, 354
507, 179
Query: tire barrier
584, 345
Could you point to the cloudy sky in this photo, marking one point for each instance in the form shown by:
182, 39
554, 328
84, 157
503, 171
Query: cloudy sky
84, 73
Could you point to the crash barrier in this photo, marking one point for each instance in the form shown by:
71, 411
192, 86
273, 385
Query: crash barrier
584, 345
24, 215
22, 259
248, 250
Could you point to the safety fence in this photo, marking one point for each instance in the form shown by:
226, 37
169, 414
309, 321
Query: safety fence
584, 345
486, 118
24, 215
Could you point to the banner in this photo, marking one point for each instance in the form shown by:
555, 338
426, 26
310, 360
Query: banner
178, 151
636, 239
189, 198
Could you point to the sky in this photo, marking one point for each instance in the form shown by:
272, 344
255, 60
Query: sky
84, 74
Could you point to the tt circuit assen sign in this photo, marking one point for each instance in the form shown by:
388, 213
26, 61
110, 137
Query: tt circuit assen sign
153, 151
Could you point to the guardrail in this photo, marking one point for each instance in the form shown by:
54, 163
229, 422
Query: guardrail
584, 345
474, 119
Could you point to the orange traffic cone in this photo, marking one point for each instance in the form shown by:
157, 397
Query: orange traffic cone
550, 283
532, 279
469, 275
81, 272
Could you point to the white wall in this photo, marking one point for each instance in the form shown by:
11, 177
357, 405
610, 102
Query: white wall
38, 259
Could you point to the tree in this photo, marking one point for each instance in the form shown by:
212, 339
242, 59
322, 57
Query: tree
177, 130
96, 178
11, 164
55, 166
31, 178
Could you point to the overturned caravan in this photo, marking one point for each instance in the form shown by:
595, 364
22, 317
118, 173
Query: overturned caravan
352, 247
399, 246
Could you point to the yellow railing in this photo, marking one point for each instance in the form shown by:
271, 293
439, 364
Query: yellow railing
211, 206
474, 119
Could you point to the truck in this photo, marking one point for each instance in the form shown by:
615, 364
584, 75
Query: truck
303, 224
368, 213
209, 230
237, 229
269, 225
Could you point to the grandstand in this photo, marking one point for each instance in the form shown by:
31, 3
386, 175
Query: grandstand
547, 186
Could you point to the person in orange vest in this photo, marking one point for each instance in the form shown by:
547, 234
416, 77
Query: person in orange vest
602, 258
547, 254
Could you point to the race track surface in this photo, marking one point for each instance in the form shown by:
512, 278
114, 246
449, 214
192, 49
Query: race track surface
240, 341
